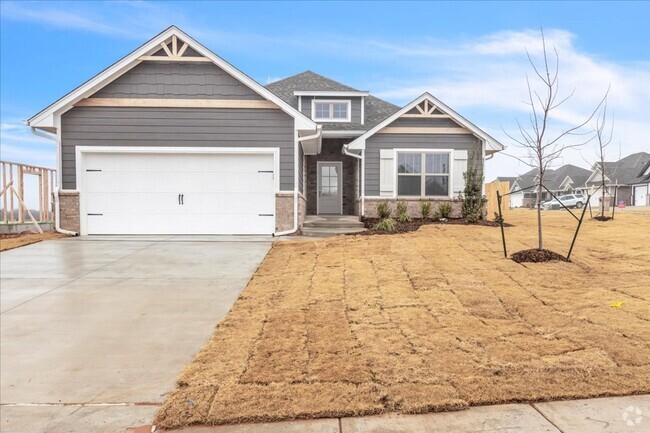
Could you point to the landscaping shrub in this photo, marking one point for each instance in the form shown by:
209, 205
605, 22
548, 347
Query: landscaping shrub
384, 210
403, 212
425, 209
444, 210
386, 225
473, 199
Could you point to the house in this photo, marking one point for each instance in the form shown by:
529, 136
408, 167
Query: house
566, 179
628, 179
172, 139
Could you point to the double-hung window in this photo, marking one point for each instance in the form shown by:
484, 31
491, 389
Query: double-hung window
331, 111
423, 174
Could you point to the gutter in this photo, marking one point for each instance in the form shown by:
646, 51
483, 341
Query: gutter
57, 206
345, 151
296, 161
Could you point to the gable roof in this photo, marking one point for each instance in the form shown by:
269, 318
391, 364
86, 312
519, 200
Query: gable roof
45, 118
626, 171
644, 174
510, 179
375, 109
490, 142
554, 179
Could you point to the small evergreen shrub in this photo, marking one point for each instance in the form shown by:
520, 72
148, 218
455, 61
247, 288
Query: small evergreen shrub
473, 199
425, 209
384, 210
444, 210
402, 212
386, 225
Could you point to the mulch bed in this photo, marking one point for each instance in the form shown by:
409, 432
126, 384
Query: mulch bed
416, 223
603, 218
536, 255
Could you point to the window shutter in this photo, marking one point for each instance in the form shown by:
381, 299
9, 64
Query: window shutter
386, 172
460, 167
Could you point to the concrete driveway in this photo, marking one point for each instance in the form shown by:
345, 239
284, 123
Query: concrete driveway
95, 331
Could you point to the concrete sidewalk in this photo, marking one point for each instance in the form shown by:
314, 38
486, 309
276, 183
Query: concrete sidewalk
600, 415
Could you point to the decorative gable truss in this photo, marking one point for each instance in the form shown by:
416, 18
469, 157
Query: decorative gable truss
173, 51
426, 109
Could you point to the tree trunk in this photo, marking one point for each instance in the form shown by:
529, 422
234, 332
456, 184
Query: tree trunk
539, 215
602, 200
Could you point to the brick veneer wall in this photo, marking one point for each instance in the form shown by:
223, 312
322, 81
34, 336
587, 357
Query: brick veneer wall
370, 205
69, 210
331, 151
284, 211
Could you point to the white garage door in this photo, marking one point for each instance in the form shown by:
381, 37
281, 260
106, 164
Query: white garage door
516, 200
640, 195
168, 193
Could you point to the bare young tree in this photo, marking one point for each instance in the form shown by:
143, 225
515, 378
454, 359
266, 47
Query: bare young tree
603, 138
544, 146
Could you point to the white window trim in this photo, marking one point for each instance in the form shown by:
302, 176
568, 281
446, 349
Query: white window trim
450, 193
331, 101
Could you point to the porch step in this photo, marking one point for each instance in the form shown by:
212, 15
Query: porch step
331, 225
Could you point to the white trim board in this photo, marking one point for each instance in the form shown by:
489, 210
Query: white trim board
330, 93
45, 118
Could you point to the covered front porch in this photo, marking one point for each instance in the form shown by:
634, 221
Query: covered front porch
332, 180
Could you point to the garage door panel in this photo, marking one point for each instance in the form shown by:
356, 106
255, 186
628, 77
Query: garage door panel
229, 204
106, 182
640, 195
165, 162
133, 193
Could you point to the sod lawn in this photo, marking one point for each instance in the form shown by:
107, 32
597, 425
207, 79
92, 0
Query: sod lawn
430, 320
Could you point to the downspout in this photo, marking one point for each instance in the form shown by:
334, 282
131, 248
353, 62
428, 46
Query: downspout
363, 177
57, 206
296, 161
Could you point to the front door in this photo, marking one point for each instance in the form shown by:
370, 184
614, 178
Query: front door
329, 188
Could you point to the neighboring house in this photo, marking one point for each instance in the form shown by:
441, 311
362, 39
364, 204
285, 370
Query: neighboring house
172, 139
566, 179
628, 179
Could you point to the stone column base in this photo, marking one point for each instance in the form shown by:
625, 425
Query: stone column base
69, 210
284, 211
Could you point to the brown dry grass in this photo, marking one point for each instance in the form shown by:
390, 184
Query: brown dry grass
427, 321
8, 242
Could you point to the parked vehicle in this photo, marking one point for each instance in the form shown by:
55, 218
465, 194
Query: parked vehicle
570, 200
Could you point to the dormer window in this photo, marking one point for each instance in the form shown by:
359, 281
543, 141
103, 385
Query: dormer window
330, 110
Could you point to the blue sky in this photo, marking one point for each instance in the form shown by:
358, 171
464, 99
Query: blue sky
470, 55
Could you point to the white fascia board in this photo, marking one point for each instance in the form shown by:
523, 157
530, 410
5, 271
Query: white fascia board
341, 134
330, 93
130, 61
490, 141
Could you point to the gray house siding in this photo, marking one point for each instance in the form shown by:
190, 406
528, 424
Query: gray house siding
412, 141
355, 106
182, 127
177, 81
